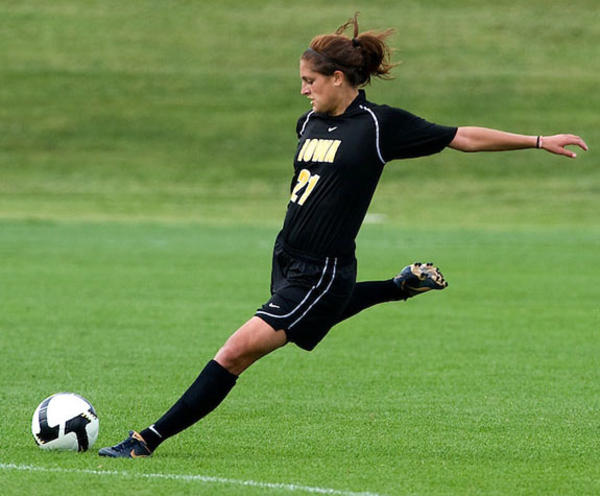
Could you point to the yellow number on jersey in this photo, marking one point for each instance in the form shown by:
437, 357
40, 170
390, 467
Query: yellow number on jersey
304, 178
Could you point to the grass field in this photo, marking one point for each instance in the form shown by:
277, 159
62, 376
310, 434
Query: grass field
145, 156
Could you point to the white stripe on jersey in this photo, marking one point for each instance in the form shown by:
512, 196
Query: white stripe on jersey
306, 122
376, 131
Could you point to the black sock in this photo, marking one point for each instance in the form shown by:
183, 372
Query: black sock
202, 397
367, 294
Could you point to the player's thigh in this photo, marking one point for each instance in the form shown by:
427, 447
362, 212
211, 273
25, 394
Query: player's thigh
250, 342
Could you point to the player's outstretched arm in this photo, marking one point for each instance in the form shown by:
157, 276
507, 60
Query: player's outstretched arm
481, 139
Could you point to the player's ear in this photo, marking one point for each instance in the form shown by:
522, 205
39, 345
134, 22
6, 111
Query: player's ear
338, 78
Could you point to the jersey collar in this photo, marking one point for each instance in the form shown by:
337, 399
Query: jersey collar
356, 103
353, 108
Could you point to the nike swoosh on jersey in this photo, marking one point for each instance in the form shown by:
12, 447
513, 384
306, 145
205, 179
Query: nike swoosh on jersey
274, 306
332, 128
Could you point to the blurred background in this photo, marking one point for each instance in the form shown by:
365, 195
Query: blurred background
186, 110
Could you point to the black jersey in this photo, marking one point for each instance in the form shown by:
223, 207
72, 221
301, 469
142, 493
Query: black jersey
337, 166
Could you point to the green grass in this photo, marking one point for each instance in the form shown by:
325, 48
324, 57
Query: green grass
490, 387
147, 110
145, 159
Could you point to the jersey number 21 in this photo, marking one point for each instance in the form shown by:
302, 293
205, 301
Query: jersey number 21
305, 179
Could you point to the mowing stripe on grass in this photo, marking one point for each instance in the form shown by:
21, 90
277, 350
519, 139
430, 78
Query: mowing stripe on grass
190, 478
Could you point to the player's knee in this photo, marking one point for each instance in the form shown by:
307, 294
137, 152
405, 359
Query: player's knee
231, 356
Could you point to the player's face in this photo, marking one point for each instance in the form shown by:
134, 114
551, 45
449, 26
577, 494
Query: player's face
322, 91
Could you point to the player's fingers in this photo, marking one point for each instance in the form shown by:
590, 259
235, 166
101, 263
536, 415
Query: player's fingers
571, 139
567, 153
580, 143
556, 144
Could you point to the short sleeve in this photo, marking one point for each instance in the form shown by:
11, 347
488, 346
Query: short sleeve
404, 135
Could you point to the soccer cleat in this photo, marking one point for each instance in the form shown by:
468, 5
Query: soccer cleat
133, 447
418, 278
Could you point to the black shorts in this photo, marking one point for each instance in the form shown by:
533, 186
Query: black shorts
308, 295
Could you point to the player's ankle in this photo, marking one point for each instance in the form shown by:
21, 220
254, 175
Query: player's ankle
151, 437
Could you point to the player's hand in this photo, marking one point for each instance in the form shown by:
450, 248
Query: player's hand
556, 144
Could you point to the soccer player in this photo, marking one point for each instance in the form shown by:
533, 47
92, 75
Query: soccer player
344, 141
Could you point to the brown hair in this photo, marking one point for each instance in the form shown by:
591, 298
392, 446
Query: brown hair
360, 57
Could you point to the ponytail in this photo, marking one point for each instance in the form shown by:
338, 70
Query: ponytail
361, 57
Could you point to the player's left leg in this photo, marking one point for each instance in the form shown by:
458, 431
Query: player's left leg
412, 280
249, 343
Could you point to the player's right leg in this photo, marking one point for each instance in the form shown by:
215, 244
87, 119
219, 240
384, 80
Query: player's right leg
412, 280
249, 343
419, 278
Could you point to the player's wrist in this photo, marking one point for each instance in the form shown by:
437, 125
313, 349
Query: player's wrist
539, 142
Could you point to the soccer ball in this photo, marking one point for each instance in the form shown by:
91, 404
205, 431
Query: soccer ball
65, 421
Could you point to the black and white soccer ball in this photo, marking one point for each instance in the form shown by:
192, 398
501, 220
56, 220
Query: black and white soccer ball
65, 421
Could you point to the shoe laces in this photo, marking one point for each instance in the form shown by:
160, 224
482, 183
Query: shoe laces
129, 443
